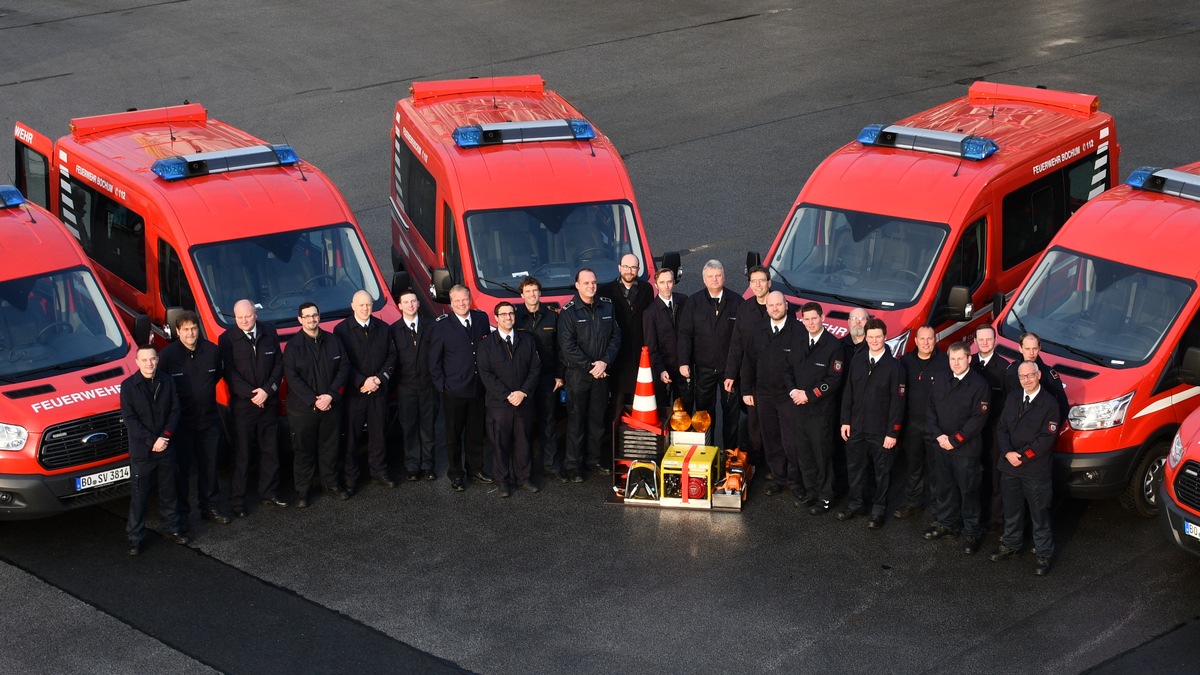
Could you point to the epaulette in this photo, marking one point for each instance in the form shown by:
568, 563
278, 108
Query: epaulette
601, 298
570, 303
441, 317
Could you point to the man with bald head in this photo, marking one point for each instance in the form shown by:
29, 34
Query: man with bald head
253, 372
368, 344
630, 297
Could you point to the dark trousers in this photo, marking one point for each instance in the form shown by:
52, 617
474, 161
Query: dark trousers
545, 424
366, 414
777, 421
587, 399
144, 474
814, 452
918, 464
1036, 492
990, 489
711, 395
464, 434
418, 411
255, 428
622, 381
199, 449
508, 430
957, 504
751, 438
861, 449
315, 438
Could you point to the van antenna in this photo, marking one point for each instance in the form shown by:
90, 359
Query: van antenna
299, 164
167, 108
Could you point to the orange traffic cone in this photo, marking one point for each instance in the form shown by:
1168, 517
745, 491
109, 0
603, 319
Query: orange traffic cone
645, 410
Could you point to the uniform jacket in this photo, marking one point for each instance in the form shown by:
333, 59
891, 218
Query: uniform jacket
705, 330
629, 318
1049, 381
766, 364
314, 367
252, 366
918, 379
1031, 434
370, 352
452, 354
150, 409
412, 353
994, 372
851, 348
873, 398
959, 409
195, 374
503, 374
543, 328
819, 372
662, 337
749, 315
587, 333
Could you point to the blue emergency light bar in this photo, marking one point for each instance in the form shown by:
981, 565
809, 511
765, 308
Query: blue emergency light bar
475, 135
223, 161
1166, 181
965, 146
11, 196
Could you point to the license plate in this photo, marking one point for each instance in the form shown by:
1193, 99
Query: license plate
96, 480
1191, 530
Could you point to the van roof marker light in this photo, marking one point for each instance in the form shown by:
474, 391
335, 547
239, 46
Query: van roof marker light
11, 196
1166, 181
475, 135
964, 146
223, 161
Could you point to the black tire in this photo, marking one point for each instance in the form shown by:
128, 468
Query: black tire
1141, 496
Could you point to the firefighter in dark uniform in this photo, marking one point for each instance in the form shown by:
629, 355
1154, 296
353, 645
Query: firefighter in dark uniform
993, 368
1026, 436
509, 368
150, 411
705, 329
540, 322
1031, 349
456, 337
958, 412
750, 314
630, 297
872, 419
920, 367
662, 338
416, 399
194, 365
372, 358
316, 368
818, 380
853, 342
588, 339
253, 372
766, 378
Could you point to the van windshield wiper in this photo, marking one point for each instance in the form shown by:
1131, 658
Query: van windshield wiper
1098, 360
501, 284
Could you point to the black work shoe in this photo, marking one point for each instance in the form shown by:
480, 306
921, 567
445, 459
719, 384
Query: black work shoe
281, 503
1002, 553
337, 493
530, 486
239, 512
135, 548
901, 514
216, 517
431, 475
937, 532
820, 508
847, 514
600, 469
773, 489
177, 538
302, 502
384, 481
1043, 566
457, 485
874, 522
482, 477
505, 491
575, 476
971, 545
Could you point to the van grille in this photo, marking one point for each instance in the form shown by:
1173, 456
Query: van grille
1187, 485
63, 446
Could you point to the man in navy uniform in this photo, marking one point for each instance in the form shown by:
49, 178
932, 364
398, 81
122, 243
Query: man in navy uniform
150, 410
194, 365
456, 337
957, 414
588, 338
372, 358
316, 368
253, 371
766, 380
540, 322
817, 376
509, 368
872, 419
920, 367
994, 369
1026, 435
659, 325
416, 398
1031, 350
706, 328
750, 314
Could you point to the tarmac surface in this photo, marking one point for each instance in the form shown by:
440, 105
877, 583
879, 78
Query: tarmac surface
721, 111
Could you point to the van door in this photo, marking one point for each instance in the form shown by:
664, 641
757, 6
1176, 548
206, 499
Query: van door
967, 266
33, 152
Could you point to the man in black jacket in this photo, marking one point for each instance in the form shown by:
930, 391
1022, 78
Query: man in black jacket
817, 377
316, 368
1026, 436
194, 365
1031, 350
920, 367
150, 410
372, 358
749, 316
456, 337
540, 322
588, 339
706, 328
416, 398
766, 380
659, 325
509, 368
253, 371
630, 297
994, 369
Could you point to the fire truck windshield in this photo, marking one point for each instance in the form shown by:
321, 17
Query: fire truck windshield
278, 272
551, 243
863, 258
57, 321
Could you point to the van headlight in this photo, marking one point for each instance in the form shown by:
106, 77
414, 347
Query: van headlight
1176, 454
1102, 415
12, 437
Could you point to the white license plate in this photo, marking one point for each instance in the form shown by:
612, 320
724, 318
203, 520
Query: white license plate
1191, 530
103, 478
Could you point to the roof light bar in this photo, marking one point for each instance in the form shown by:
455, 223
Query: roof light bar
11, 196
222, 161
966, 146
475, 135
1166, 181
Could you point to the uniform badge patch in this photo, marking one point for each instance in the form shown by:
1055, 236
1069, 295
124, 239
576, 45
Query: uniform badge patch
837, 365
902, 390
1053, 427
983, 406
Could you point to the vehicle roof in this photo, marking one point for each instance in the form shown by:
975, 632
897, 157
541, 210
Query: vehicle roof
514, 174
215, 207
927, 186
1143, 228
23, 232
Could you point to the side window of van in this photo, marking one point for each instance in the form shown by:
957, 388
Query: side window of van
172, 283
1170, 374
416, 190
450, 236
967, 266
112, 235
1033, 214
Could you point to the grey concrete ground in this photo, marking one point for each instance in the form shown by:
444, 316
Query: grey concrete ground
722, 110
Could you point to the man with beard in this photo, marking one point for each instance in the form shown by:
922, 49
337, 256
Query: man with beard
993, 368
630, 297
316, 368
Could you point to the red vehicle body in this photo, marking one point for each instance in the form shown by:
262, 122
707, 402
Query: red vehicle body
925, 220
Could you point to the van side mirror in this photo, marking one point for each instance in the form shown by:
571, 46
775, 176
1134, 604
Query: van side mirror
752, 259
997, 305
400, 283
671, 261
1189, 372
141, 330
169, 325
958, 305
440, 287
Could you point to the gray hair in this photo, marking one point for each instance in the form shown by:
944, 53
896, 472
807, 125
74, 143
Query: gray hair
714, 265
